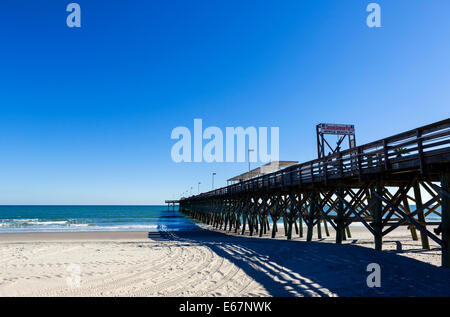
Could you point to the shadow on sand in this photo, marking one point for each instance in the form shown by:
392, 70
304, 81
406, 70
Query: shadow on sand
297, 268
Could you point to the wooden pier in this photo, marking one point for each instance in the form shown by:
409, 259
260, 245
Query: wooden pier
373, 184
173, 203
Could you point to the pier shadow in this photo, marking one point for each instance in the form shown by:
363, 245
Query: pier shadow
297, 268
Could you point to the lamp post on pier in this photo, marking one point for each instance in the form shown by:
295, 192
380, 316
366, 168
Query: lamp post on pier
249, 150
212, 186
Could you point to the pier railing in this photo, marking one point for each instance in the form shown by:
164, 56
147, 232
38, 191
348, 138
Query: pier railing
414, 149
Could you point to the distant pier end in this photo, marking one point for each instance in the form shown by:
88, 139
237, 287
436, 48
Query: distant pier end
173, 203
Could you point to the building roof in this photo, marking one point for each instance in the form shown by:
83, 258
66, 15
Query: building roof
262, 170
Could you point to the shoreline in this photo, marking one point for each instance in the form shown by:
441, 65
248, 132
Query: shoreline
143, 234
8, 237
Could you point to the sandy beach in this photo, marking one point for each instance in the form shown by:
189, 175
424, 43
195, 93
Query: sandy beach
210, 263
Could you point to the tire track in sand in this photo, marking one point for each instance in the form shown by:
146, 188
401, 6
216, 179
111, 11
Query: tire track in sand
93, 286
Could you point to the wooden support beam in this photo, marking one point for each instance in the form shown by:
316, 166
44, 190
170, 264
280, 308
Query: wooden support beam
361, 219
290, 220
275, 214
420, 215
300, 227
412, 221
251, 223
323, 215
421, 208
311, 215
377, 217
347, 230
262, 216
325, 224
319, 229
410, 227
340, 218
244, 219
445, 220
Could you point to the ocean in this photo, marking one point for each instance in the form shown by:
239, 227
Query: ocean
91, 218
101, 218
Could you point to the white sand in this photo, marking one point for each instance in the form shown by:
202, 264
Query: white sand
207, 263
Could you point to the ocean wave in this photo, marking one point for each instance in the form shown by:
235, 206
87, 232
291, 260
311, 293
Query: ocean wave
46, 223
19, 220
65, 226
128, 227
34, 222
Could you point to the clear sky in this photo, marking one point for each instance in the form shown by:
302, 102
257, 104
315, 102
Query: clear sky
86, 114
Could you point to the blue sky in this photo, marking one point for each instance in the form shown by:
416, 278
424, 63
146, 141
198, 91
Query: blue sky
86, 114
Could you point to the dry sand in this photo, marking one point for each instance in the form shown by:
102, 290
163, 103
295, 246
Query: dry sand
210, 263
